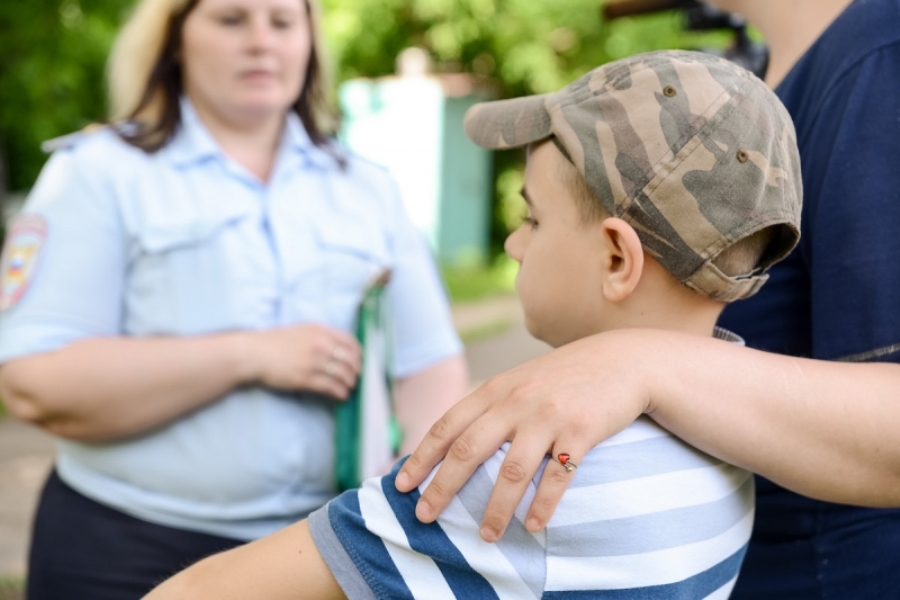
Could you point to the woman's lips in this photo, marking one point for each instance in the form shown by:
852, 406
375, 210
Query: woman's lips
257, 76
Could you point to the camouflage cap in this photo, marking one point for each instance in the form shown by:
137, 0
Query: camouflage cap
693, 151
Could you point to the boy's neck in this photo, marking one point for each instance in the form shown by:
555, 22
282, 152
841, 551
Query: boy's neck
660, 302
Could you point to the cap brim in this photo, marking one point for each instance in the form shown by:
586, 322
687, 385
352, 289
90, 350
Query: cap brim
508, 123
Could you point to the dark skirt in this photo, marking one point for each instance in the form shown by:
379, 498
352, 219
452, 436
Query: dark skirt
83, 550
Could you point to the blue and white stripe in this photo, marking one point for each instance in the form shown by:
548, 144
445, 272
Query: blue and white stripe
646, 516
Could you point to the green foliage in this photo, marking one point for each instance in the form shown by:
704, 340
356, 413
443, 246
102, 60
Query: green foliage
12, 587
527, 46
53, 52
52, 56
522, 46
466, 284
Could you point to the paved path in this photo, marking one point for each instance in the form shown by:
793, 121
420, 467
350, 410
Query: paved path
26, 453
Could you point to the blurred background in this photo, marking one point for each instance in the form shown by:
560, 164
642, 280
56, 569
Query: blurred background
52, 55
423, 60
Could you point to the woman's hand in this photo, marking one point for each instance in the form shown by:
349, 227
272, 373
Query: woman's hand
827, 430
566, 401
306, 357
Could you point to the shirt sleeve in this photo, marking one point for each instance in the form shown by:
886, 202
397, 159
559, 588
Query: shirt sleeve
851, 243
370, 539
423, 328
74, 288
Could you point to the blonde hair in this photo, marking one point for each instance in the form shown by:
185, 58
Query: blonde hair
136, 51
145, 85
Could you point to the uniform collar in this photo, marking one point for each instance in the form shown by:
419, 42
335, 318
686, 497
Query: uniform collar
295, 141
192, 142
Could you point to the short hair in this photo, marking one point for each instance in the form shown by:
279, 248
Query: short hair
590, 209
145, 77
741, 258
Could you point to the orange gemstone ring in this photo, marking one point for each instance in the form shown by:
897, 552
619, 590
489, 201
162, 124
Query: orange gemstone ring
563, 459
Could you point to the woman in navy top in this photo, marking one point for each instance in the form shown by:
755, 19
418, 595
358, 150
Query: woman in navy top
817, 415
179, 295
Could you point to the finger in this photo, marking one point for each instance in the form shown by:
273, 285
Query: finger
350, 356
478, 442
522, 461
325, 384
554, 483
340, 371
342, 339
433, 447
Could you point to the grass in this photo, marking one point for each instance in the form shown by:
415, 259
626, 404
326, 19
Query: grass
483, 332
477, 282
12, 588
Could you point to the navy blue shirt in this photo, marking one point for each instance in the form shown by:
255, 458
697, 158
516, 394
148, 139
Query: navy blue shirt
837, 296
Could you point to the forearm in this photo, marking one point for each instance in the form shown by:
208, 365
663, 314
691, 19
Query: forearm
424, 397
823, 429
286, 565
107, 388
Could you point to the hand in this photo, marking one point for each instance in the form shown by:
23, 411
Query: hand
306, 357
566, 401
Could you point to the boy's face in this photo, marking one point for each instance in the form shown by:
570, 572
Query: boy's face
559, 281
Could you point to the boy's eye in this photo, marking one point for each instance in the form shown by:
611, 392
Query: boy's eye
529, 221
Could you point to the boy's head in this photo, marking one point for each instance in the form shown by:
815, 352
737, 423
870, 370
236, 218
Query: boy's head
671, 159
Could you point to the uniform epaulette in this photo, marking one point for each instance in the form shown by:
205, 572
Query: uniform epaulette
70, 139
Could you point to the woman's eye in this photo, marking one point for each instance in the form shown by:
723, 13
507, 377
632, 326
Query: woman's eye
230, 20
282, 23
529, 221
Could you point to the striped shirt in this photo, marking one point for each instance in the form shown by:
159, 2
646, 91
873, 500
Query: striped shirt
646, 516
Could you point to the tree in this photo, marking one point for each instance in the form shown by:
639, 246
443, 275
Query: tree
52, 56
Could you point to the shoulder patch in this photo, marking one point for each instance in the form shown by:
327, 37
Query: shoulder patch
70, 139
19, 260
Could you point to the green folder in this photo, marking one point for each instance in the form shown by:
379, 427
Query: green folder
367, 435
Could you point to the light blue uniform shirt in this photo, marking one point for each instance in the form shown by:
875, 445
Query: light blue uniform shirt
186, 242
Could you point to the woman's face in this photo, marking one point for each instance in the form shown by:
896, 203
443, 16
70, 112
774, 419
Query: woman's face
245, 59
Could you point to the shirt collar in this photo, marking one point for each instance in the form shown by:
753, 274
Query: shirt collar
296, 140
193, 143
720, 333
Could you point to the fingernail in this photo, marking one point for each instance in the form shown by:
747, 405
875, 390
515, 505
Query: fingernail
489, 534
402, 481
423, 511
532, 525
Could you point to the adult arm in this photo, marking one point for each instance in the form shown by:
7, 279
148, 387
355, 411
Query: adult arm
422, 398
106, 388
285, 565
823, 429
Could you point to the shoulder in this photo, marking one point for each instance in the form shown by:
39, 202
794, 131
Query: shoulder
842, 52
96, 146
367, 171
364, 185
85, 164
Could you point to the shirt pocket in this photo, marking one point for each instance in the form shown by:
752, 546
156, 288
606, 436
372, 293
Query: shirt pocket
180, 280
353, 255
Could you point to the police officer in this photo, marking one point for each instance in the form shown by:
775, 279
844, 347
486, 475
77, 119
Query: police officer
178, 294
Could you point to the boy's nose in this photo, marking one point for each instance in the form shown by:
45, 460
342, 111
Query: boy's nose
512, 247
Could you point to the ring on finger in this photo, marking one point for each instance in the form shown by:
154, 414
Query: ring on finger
563, 459
338, 354
330, 367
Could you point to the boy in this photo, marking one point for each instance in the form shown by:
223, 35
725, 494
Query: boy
659, 188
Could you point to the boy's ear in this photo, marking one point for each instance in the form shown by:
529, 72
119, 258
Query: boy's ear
623, 259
